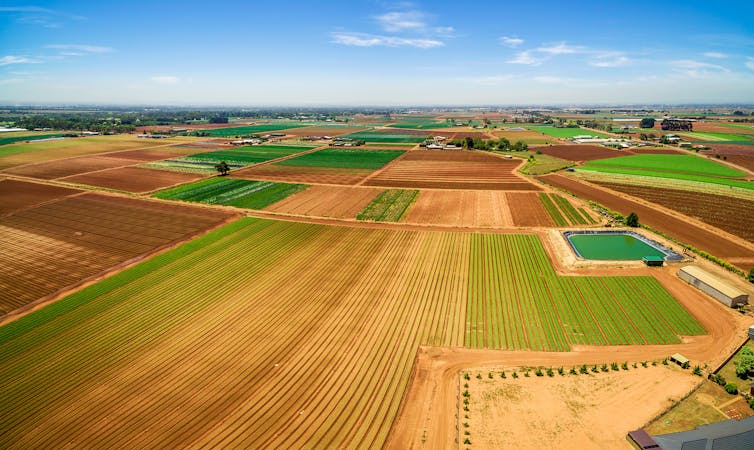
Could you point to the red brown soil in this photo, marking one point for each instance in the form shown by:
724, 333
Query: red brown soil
528, 211
741, 155
327, 201
322, 131
145, 155
452, 170
54, 245
16, 195
580, 152
132, 179
701, 238
734, 216
477, 209
67, 167
714, 127
300, 174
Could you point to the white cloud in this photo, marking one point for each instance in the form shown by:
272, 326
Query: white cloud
560, 49
510, 41
750, 63
80, 49
34, 15
398, 21
166, 79
717, 55
697, 69
525, 58
618, 61
10, 59
372, 40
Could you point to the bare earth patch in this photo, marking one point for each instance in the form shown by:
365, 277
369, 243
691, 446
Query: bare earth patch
16, 195
132, 179
587, 412
461, 208
327, 201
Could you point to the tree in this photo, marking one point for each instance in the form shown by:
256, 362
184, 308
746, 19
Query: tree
503, 144
223, 168
632, 220
751, 275
647, 122
519, 146
745, 363
731, 388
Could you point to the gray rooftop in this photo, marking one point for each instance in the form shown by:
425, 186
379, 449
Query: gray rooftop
728, 435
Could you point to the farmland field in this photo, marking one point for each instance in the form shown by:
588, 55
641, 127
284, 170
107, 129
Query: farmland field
483, 209
18, 154
564, 133
252, 129
343, 202
344, 158
70, 166
370, 136
303, 174
5, 140
527, 210
530, 137
232, 192
735, 217
59, 243
713, 137
16, 195
452, 170
687, 164
579, 152
131, 179
389, 205
236, 158
248, 337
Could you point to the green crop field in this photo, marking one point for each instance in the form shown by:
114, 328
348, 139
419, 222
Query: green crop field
344, 158
686, 164
389, 205
714, 137
740, 126
252, 129
742, 184
420, 123
232, 192
552, 210
383, 137
573, 215
26, 137
563, 133
249, 155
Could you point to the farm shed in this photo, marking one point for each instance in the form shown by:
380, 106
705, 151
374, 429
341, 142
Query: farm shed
727, 435
679, 359
653, 261
712, 286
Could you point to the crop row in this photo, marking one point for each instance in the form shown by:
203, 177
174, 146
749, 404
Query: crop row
289, 335
233, 192
389, 205
567, 208
553, 210
344, 158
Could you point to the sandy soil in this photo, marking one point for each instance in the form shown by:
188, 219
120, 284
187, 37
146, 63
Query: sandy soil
69, 167
461, 208
585, 412
327, 201
132, 179
16, 195
731, 249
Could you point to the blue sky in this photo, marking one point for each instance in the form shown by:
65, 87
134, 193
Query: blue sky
376, 53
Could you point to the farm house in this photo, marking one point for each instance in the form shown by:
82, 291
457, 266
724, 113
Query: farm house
712, 286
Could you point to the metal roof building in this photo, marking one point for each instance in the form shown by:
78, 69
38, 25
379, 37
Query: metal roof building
728, 435
713, 286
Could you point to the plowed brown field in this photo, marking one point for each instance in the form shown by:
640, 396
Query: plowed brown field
654, 151
734, 216
461, 208
694, 235
52, 246
527, 210
327, 201
16, 195
132, 179
452, 170
580, 152
742, 155
69, 167
309, 175
146, 155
